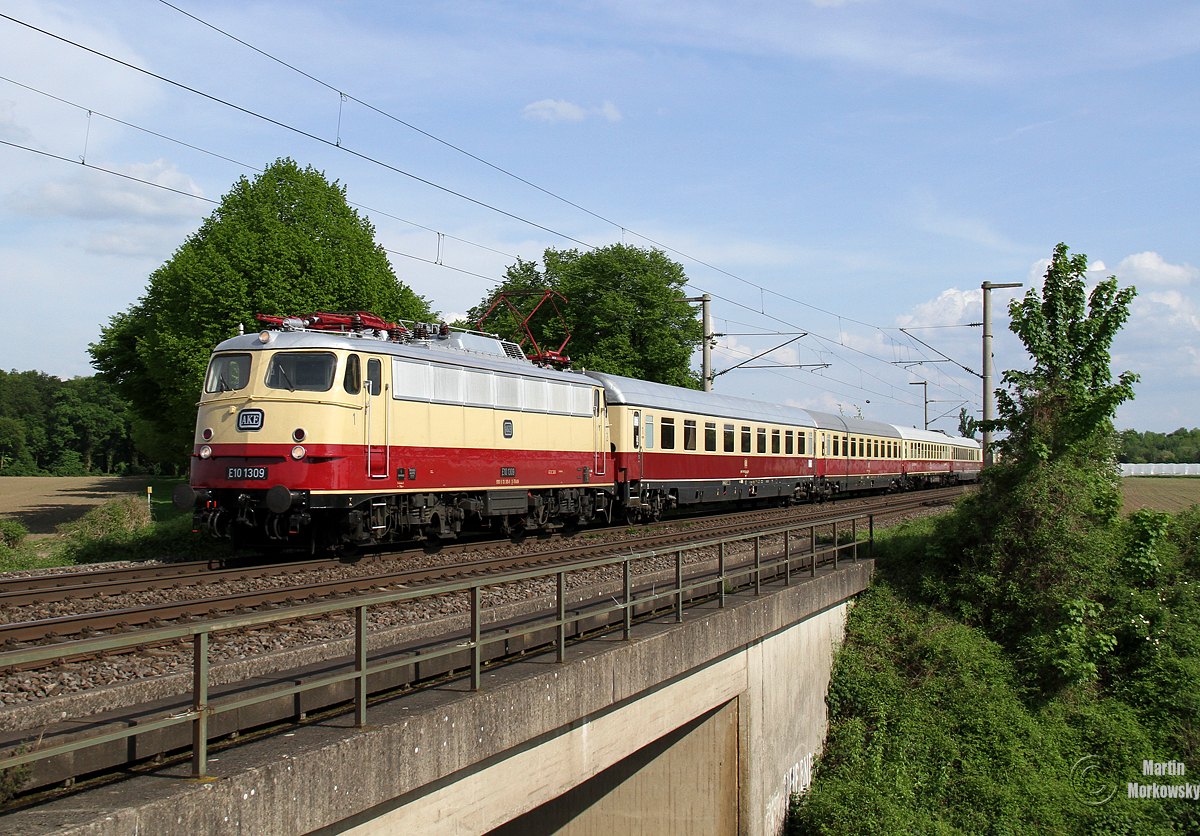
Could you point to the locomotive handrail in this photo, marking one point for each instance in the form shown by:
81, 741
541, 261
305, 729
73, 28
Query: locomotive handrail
701, 585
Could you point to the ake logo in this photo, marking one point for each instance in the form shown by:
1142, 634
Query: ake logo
250, 420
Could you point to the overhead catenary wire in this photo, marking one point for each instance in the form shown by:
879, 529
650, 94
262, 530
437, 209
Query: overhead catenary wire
666, 247
891, 396
245, 165
296, 130
840, 341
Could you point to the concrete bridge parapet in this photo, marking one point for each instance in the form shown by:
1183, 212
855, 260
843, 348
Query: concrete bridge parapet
701, 727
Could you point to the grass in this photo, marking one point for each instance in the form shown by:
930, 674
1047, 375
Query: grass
125, 528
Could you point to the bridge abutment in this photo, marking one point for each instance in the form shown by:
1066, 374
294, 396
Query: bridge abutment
704, 726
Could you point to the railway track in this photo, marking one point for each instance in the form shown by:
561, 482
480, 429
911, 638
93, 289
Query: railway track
180, 589
151, 665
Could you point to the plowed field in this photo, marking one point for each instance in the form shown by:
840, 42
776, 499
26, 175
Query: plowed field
43, 502
1160, 493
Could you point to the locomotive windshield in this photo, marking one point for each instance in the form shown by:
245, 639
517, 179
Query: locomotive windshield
228, 373
306, 371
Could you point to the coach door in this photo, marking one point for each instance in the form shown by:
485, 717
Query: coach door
599, 433
378, 413
636, 465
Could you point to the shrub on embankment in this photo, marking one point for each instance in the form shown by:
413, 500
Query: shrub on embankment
1021, 656
945, 719
119, 529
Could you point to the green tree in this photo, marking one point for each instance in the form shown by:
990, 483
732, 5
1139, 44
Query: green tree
12, 440
1183, 445
1065, 404
1026, 555
91, 419
28, 397
625, 311
283, 243
966, 424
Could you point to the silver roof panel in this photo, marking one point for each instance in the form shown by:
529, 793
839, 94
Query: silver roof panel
447, 350
633, 392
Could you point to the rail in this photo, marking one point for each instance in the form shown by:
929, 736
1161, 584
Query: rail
702, 585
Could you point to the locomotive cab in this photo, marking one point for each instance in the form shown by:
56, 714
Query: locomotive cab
275, 415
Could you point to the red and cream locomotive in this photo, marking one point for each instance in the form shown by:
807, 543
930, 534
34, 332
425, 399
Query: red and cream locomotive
342, 430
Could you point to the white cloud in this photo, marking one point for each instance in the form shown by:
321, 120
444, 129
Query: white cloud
1150, 267
560, 110
10, 130
926, 214
554, 110
610, 112
951, 307
93, 195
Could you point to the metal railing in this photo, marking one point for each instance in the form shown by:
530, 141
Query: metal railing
586, 616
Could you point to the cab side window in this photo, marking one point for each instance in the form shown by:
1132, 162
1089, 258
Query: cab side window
374, 376
352, 379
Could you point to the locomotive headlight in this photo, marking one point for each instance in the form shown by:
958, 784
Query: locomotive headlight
205, 452
297, 452
265, 337
298, 434
207, 434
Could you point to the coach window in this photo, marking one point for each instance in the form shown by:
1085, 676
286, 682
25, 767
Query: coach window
649, 436
637, 430
730, 438
745, 439
762, 439
710, 437
689, 434
835, 445
788, 443
854, 447
800, 436
668, 433
775, 441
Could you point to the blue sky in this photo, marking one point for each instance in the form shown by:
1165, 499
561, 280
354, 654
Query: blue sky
840, 168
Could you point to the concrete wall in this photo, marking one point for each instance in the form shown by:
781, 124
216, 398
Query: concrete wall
448, 761
733, 769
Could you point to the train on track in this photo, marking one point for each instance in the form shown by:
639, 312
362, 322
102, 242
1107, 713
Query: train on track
341, 431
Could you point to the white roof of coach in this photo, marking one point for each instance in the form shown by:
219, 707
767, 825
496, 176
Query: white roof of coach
633, 392
931, 437
841, 423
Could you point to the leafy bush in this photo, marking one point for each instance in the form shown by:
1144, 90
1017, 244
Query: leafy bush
122, 515
121, 529
934, 727
12, 533
1029, 629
